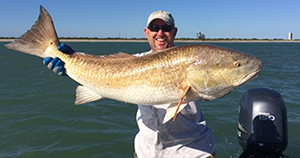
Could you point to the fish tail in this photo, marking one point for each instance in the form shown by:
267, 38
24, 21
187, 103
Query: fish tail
39, 38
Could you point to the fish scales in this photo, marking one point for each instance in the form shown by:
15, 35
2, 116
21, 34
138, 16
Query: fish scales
158, 72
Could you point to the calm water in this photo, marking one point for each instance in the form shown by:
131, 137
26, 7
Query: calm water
38, 117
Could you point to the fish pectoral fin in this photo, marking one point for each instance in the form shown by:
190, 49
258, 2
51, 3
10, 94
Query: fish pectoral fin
85, 95
185, 89
171, 110
174, 108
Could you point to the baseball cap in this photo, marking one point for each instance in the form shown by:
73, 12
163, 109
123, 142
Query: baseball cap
163, 15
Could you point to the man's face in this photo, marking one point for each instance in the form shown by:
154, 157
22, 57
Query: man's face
161, 39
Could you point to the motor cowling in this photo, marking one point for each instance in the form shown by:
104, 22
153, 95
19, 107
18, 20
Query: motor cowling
262, 126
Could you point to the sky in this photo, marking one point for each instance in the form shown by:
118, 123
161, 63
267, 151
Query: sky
127, 18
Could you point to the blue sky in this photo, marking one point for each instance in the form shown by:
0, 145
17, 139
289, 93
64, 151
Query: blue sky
127, 19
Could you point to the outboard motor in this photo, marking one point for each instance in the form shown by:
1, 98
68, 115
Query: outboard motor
262, 127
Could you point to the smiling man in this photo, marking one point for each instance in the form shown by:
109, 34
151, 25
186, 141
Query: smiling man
188, 135
160, 31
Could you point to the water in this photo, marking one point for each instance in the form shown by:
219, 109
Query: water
38, 117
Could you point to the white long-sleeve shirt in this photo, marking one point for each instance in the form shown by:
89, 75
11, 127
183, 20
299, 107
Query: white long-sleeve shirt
187, 137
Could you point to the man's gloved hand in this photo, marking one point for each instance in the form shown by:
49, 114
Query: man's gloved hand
56, 64
65, 49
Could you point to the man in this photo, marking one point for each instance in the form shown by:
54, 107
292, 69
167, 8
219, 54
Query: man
188, 136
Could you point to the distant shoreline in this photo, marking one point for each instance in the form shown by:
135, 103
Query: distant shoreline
142, 40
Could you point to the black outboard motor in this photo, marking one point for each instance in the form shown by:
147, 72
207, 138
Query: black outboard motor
262, 127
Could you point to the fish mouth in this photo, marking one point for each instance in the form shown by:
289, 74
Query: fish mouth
248, 77
257, 63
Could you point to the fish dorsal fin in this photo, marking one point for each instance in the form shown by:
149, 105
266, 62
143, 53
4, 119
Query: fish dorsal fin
85, 95
171, 110
120, 55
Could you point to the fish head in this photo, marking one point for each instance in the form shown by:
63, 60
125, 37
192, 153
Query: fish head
216, 71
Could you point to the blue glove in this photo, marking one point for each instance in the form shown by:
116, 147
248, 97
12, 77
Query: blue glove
56, 64
65, 49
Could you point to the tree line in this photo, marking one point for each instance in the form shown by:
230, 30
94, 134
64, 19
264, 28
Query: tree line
200, 38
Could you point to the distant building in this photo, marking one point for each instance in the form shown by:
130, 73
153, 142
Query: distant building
290, 36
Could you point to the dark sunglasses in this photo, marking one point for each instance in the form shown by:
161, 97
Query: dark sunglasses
164, 28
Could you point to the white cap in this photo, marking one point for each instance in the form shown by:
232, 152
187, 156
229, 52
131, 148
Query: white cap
165, 16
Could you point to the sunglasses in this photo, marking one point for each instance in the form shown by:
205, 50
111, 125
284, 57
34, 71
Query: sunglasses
164, 28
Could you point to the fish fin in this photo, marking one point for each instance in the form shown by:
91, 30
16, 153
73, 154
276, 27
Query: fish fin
171, 110
120, 55
39, 38
85, 95
125, 54
184, 91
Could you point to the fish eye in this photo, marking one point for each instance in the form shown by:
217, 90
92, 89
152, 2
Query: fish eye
237, 64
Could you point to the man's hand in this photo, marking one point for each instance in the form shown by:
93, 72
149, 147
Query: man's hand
56, 64
65, 49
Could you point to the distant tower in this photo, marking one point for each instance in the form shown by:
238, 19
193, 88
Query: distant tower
290, 36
